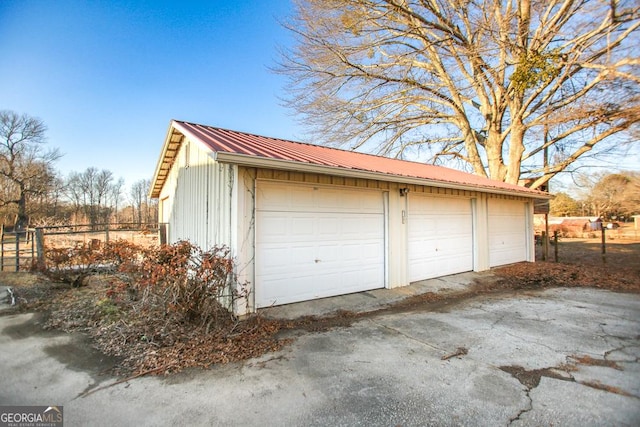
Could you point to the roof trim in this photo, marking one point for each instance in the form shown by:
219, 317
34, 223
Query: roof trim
268, 163
172, 143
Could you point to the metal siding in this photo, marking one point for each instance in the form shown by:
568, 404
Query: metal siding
198, 199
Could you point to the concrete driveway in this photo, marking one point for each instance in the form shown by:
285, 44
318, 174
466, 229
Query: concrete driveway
558, 357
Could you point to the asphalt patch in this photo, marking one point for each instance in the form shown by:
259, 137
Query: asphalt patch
531, 379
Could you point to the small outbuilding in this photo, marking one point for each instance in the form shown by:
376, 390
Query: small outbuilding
306, 221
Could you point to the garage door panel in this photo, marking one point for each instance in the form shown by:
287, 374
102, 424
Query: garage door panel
361, 227
437, 206
324, 242
317, 281
440, 237
507, 232
355, 255
277, 197
429, 251
294, 228
299, 228
274, 254
274, 226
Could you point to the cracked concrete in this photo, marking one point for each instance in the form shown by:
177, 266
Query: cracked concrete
559, 357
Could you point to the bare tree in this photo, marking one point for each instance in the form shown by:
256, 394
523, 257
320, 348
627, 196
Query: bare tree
48, 206
508, 88
103, 190
615, 195
139, 194
74, 193
87, 181
92, 192
116, 194
26, 168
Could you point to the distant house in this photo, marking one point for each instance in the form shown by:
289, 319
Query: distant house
583, 223
572, 226
306, 221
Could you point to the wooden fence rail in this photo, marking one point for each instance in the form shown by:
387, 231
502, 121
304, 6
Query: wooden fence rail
21, 249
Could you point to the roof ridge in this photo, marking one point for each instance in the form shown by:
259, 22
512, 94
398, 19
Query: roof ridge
309, 144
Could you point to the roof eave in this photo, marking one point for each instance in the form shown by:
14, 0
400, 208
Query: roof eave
158, 181
269, 163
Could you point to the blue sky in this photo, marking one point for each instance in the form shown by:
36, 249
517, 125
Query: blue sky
106, 77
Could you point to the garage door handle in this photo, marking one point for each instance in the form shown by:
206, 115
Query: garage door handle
316, 261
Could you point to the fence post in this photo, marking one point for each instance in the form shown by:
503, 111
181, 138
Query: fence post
555, 244
40, 248
162, 230
2, 248
545, 240
17, 251
604, 244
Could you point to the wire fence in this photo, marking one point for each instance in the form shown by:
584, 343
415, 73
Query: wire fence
21, 249
548, 248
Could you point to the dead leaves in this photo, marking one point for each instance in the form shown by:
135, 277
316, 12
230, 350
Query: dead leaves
550, 274
251, 338
156, 342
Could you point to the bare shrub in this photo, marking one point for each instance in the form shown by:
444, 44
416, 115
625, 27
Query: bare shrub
67, 264
185, 282
180, 282
64, 264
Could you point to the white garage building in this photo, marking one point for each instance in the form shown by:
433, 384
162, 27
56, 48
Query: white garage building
306, 221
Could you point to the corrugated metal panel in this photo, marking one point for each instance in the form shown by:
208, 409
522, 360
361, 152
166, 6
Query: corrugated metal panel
227, 141
198, 197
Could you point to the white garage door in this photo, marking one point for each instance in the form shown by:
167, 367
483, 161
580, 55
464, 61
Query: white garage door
440, 236
314, 242
507, 232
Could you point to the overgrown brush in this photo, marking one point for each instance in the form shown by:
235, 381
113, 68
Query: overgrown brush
163, 308
195, 286
66, 264
178, 282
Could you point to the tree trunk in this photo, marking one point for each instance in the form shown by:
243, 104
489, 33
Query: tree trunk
473, 157
22, 220
516, 149
497, 170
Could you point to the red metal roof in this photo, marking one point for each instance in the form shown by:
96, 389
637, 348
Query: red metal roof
233, 142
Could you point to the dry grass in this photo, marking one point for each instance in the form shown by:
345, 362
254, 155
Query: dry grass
21, 279
582, 263
619, 253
